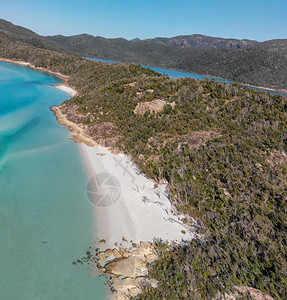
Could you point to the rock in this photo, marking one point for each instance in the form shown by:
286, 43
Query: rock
132, 84
127, 267
116, 244
126, 254
109, 252
122, 250
154, 107
102, 242
109, 283
242, 292
143, 244
101, 255
101, 271
117, 253
124, 239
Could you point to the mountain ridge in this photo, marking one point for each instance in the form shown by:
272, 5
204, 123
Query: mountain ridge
259, 66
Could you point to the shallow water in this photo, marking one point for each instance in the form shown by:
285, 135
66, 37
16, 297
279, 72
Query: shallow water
46, 220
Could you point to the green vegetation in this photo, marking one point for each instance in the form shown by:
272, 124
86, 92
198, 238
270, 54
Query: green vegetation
228, 182
261, 64
239, 197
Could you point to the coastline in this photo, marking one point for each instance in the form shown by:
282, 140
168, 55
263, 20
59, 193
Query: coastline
130, 211
142, 207
24, 63
63, 86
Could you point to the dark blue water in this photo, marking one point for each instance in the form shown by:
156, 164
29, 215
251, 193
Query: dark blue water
46, 220
178, 74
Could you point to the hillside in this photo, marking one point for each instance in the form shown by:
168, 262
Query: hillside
221, 148
19, 35
261, 66
208, 42
204, 42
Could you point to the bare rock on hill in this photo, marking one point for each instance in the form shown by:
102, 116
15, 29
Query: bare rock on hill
277, 157
154, 107
243, 292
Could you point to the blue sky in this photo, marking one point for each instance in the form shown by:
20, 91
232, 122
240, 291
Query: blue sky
252, 19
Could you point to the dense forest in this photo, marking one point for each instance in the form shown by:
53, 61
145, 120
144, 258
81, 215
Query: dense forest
255, 65
221, 148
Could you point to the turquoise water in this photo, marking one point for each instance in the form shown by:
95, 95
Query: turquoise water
177, 74
46, 220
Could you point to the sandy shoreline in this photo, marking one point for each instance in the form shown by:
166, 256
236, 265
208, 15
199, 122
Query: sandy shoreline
135, 207
24, 63
66, 89
129, 211
128, 206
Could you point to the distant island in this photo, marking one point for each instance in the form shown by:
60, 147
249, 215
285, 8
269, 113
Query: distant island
219, 149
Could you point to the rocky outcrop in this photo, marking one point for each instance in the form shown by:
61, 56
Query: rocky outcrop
100, 134
154, 107
277, 157
127, 268
244, 292
79, 134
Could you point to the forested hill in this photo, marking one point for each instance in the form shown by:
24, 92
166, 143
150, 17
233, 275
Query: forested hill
19, 35
261, 66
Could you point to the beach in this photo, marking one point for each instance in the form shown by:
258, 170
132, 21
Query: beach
139, 210
131, 213
128, 207
66, 89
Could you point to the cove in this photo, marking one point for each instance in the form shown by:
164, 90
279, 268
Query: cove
46, 220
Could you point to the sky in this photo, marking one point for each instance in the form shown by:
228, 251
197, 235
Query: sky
251, 19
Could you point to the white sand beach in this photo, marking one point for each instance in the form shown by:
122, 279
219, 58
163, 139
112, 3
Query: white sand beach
66, 89
128, 207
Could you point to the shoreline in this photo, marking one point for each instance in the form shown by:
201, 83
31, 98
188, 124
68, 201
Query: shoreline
65, 88
130, 212
62, 86
137, 194
72, 92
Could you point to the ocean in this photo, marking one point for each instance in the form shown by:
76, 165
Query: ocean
46, 220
